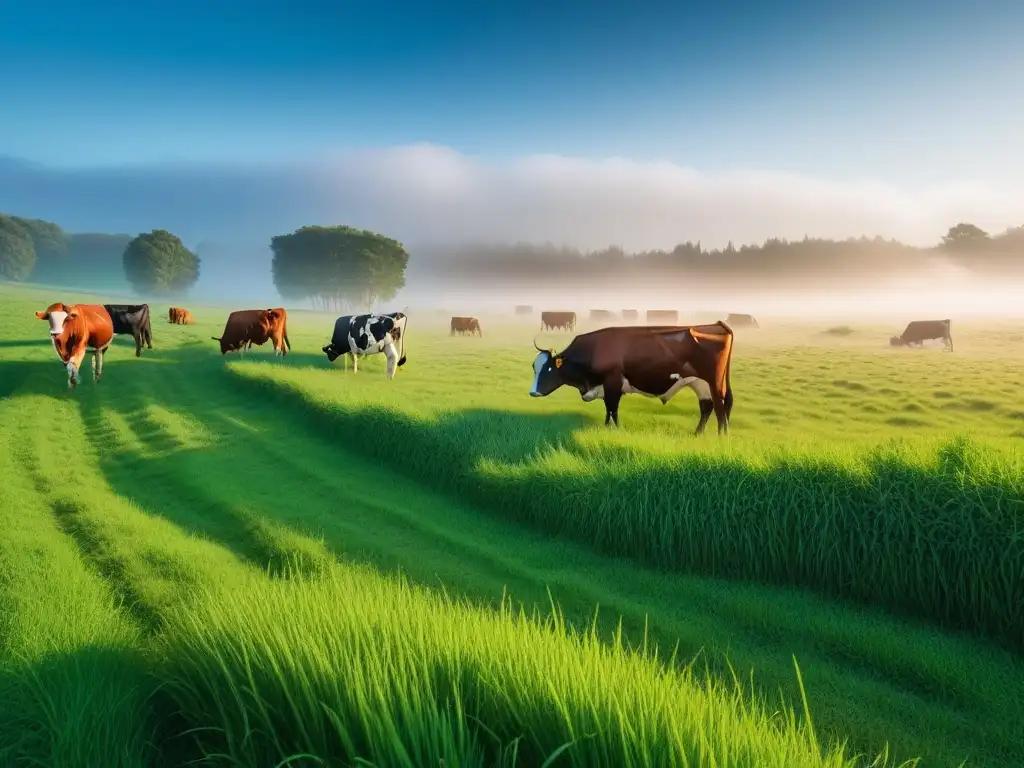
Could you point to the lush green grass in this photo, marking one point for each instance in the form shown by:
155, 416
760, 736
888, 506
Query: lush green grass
149, 522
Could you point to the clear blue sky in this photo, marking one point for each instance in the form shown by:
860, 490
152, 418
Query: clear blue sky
900, 91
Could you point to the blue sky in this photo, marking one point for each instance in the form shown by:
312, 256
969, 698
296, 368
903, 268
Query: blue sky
906, 94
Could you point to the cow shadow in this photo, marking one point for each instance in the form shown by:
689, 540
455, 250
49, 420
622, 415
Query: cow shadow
14, 343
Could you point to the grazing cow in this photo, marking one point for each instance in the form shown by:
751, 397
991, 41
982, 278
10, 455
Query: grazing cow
246, 327
656, 361
463, 325
133, 320
670, 316
600, 315
524, 309
630, 315
742, 321
552, 320
83, 326
920, 331
180, 316
358, 336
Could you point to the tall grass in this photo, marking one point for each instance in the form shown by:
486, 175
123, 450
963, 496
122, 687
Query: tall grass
937, 536
349, 666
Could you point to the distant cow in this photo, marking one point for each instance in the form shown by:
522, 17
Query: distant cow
742, 321
83, 326
630, 315
562, 320
652, 361
463, 325
180, 316
669, 316
246, 327
132, 320
524, 309
601, 315
358, 336
920, 331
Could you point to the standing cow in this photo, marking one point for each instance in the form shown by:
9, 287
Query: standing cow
132, 320
651, 361
246, 327
84, 326
920, 331
561, 320
358, 336
463, 325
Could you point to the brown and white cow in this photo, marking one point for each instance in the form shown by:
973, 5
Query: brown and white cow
560, 320
84, 327
54, 315
245, 327
920, 331
463, 325
655, 361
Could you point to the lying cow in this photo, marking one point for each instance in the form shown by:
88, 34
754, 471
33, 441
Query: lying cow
920, 331
462, 325
246, 327
656, 361
132, 320
358, 336
84, 326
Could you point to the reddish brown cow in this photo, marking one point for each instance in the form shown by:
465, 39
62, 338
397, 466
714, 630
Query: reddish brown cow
84, 326
566, 320
180, 316
246, 327
463, 325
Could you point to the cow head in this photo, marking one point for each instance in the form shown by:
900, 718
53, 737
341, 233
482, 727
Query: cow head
55, 313
331, 352
548, 372
65, 341
895, 341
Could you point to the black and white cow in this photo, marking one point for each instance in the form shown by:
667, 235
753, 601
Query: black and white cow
132, 320
357, 336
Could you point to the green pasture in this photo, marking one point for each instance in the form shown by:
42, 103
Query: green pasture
245, 560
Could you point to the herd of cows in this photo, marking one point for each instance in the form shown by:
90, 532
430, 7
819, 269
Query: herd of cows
656, 361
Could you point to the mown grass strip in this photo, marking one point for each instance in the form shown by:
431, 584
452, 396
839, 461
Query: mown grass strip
937, 537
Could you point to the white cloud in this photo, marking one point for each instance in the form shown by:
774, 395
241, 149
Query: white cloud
426, 192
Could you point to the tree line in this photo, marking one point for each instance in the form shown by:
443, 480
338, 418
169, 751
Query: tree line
342, 267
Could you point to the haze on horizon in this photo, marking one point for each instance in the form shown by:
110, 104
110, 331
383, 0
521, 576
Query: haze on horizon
516, 122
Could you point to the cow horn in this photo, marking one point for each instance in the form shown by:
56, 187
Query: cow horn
535, 345
215, 338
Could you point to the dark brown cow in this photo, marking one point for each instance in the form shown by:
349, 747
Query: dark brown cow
630, 315
742, 321
920, 331
552, 320
246, 327
180, 316
84, 326
524, 309
656, 361
463, 325
601, 315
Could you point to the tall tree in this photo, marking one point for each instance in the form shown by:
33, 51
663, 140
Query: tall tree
338, 266
158, 262
17, 253
965, 237
51, 245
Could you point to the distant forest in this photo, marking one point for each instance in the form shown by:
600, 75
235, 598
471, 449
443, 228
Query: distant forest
93, 260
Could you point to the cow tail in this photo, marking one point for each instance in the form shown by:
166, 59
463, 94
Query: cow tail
286, 341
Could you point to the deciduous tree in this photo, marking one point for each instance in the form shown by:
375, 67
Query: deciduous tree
158, 262
17, 253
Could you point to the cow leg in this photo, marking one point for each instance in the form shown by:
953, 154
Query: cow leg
392, 358
612, 396
95, 364
138, 343
718, 402
706, 409
355, 363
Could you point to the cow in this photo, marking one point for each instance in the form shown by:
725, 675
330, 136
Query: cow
552, 320
462, 325
655, 361
83, 326
630, 315
524, 309
133, 320
55, 314
180, 316
919, 331
742, 321
358, 336
245, 327
599, 315
662, 316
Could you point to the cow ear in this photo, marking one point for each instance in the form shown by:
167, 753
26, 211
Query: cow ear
41, 315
